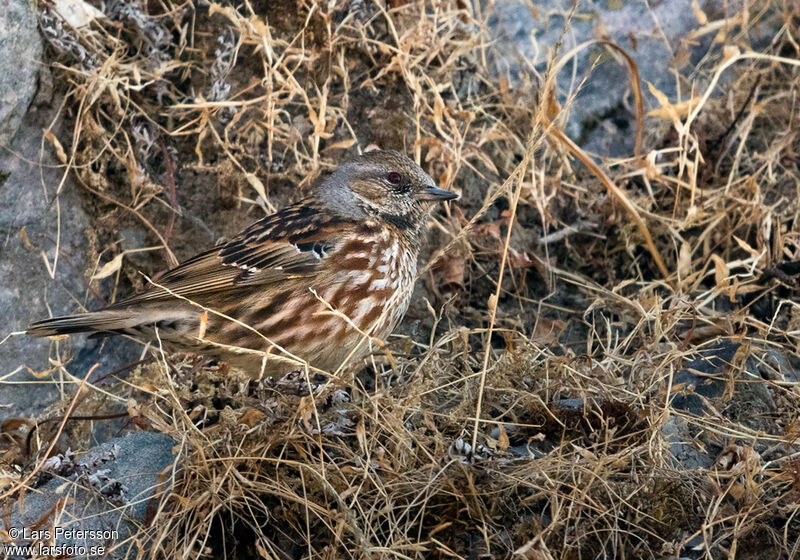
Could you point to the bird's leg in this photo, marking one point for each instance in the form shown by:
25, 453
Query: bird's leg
294, 382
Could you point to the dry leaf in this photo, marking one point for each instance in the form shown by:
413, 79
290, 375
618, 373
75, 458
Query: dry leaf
23, 234
534, 549
728, 52
519, 260
684, 261
699, 14
109, 268
203, 325
671, 111
305, 411
546, 331
77, 13
256, 183
361, 435
737, 491
743, 289
449, 275
502, 438
651, 170
250, 417
60, 154
343, 145
492, 303
721, 271
746, 246
682, 108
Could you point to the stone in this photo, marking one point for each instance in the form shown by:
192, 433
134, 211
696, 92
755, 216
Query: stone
20, 57
29, 226
601, 117
716, 383
703, 377
776, 367
110, 490
684, 452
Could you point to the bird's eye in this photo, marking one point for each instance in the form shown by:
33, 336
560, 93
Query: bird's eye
393, 177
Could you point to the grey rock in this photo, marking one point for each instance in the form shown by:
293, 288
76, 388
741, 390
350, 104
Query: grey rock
29, 227
111, 488
742, 396
776, 367
683, 453
570, 404
132, 240
601, 116
705, 377
753, 405
20, 56
526, 451
700, 377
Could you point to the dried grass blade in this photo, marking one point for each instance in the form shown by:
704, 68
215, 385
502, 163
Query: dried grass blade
618, 193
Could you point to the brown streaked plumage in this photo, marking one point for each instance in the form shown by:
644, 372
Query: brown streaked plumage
304, 283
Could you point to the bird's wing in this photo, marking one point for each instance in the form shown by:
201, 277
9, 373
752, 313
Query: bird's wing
291, 243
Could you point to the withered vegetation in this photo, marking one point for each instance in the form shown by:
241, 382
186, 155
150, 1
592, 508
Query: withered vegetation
529, 405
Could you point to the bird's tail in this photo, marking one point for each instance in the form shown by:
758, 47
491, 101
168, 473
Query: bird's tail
106, 320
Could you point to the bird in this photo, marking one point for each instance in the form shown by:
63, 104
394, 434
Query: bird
309, 286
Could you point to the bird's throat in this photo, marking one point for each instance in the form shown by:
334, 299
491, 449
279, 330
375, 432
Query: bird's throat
402, 222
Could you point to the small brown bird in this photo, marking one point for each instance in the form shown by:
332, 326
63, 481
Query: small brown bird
303, 285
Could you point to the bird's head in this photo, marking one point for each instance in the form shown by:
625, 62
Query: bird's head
384, 185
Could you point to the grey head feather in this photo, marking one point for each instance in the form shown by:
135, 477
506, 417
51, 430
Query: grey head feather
335, 193
362, 189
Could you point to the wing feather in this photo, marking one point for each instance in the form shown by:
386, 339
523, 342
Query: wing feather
288, 244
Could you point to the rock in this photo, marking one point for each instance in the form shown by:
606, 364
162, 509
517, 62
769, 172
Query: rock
700, 378
601, 117
705, 379
684, 453
20, 56
132, 240
572, 405
777, 367
29, 225
111, 489
708, 387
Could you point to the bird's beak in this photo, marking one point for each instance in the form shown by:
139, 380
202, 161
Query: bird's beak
435, 194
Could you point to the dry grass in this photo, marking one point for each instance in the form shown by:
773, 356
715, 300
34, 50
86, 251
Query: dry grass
522, 410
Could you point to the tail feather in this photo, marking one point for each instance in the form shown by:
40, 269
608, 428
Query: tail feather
99, 321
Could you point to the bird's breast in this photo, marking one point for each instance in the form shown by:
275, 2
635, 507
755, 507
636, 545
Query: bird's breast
372, 280
362, 290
